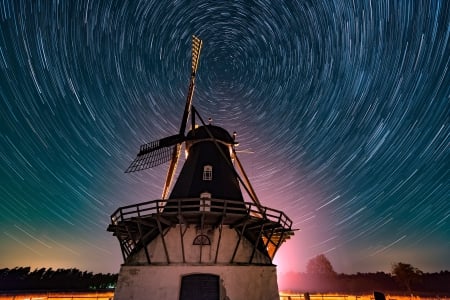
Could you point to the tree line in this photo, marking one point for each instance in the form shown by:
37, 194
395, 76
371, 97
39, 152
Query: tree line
22, 278
320, 277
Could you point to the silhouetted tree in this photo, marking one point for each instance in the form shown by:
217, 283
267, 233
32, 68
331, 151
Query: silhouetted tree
320, 265
406, 274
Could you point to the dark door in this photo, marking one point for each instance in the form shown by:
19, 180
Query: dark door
200, 287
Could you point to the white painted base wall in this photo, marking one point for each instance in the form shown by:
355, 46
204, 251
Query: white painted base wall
162, 282
175, 242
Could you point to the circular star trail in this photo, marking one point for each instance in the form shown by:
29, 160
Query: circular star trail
342, 111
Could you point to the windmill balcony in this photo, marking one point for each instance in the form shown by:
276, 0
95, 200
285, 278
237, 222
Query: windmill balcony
201, 220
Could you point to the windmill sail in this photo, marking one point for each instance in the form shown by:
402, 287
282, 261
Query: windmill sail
155, 153
168, 149
196, 48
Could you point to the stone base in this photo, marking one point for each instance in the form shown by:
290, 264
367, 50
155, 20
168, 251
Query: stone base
224, 282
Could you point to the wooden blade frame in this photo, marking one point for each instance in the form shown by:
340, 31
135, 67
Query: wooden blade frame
196, 48
154, 153
150, 159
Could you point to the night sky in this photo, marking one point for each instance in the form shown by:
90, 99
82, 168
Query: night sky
342, 110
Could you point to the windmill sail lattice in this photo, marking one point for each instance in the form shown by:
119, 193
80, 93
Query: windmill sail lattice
168, 149
154, 153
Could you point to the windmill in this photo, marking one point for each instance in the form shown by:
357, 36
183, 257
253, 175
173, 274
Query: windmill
201, 240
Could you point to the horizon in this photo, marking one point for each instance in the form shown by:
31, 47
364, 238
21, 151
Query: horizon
278, 271
341, 112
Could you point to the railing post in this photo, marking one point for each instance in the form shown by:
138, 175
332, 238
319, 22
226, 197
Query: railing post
225, 207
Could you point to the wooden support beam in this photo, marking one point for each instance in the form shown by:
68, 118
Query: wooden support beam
164, 220
218, 241
130, 237
240, 222
258, 223
182, 242
144, 222
280, 241
161, 233
122, 250
143, 244
181, 221
269, 240
241, 233
255, 245
202, 224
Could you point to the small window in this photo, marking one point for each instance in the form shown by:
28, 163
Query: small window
207, 172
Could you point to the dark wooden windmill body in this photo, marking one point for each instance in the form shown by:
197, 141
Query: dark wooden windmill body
201, 241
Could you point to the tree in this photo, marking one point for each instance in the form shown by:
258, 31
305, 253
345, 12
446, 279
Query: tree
406, 274
320, 265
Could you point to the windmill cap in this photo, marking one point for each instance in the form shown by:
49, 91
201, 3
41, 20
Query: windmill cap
209, 131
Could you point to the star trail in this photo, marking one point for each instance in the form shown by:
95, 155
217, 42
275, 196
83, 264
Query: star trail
341, 108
